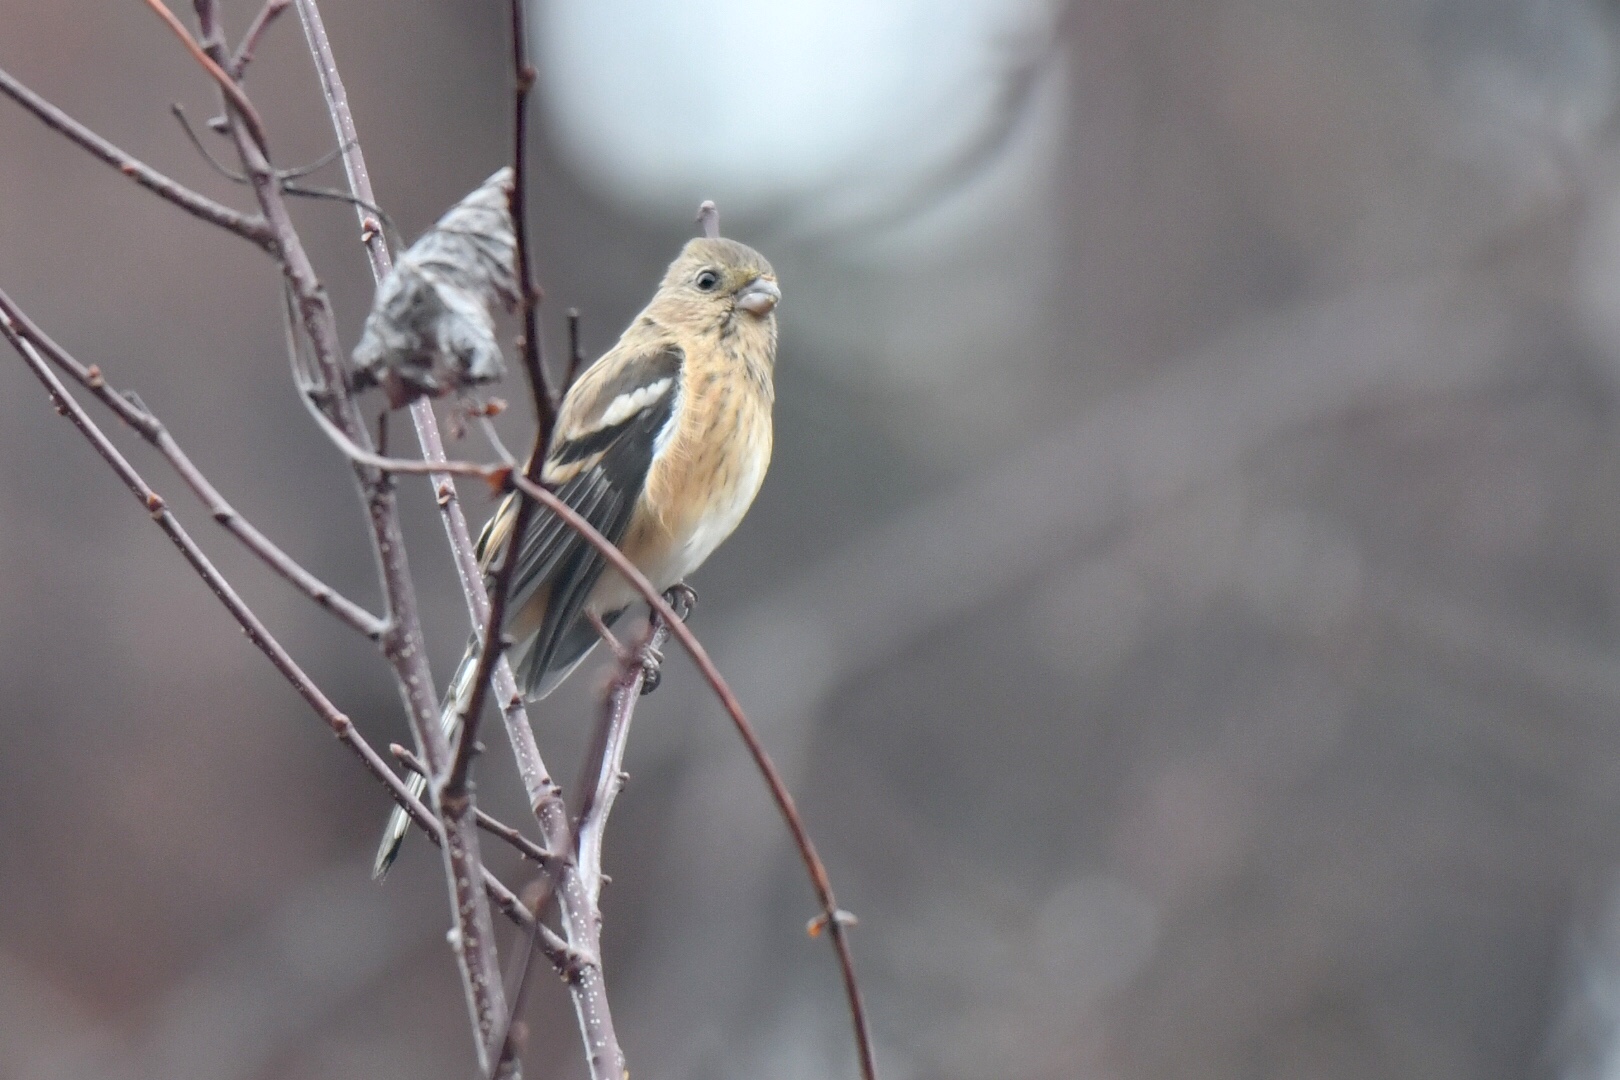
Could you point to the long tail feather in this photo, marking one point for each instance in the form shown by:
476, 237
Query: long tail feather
399, 823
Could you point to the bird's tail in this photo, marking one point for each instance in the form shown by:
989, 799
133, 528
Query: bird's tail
455, 700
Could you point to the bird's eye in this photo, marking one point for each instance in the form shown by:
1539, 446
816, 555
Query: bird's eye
708, 280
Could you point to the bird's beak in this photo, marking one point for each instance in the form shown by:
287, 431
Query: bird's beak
760, 297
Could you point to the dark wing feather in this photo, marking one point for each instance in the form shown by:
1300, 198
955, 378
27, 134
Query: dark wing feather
552, 557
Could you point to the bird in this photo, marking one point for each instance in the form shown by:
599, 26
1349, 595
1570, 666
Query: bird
662, 444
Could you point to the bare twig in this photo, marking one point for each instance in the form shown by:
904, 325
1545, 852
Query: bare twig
243, 56
545, 403
402, 644
179, 113
529, 297
341, 726
601, 782
536, 778
590, 998
708, 219
133, 412
520, 843
539, 388
608, 746
227, 85
831, 917
542, 791
537, 781
252, 229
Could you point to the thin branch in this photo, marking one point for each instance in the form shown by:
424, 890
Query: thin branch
133, 412
243, 56
495, 827
831, 917
537, 781
708, 219
179, 113
403, 644
234, 177
492, 648
524, 75
541, 789
612, 735
252, 229
544, 408
232, 91
585, 983
491, 640
254, 629
601, 784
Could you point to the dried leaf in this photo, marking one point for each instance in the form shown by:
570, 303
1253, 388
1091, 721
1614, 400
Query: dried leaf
431, 330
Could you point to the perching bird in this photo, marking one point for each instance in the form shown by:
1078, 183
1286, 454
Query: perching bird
662, 445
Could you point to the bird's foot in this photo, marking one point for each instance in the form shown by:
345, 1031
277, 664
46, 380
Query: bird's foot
683, 599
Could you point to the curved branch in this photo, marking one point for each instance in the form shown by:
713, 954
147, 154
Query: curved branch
252, 229
150, 428
833, 919
227, 85
557, 951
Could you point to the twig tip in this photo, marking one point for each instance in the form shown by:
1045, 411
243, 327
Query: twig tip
708, 217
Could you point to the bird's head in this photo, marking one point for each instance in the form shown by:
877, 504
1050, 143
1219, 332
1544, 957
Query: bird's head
721, 280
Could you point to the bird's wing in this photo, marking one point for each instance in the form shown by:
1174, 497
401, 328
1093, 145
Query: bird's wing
611, 428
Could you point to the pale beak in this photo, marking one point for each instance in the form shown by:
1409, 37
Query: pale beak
760, 297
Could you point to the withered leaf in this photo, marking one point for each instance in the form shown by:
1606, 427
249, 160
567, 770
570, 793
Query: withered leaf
431, 330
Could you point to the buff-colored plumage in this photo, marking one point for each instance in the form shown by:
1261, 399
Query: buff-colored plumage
662, 443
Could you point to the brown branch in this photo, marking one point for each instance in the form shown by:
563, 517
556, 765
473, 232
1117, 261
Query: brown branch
402, 644
256, 632
607, 751
545, 403
831, 917
491, 641
134, 413
536, 780
243, 56
542, 790
495, 827
601, 784
590, 1000
212, 65
582, 919
252, 229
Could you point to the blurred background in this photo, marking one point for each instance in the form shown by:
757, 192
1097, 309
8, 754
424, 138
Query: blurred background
1186, 597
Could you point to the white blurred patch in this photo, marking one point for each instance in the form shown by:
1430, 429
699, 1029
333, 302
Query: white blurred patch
895, 156
760, 104
1586, 1036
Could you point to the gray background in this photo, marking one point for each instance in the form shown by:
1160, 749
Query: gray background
1184, 597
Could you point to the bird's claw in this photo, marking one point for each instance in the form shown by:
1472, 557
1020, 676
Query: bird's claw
682, 598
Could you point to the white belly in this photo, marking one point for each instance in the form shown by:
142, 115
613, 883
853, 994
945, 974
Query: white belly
686, 553
711, 530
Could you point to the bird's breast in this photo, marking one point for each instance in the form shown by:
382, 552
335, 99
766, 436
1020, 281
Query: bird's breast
703, 482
